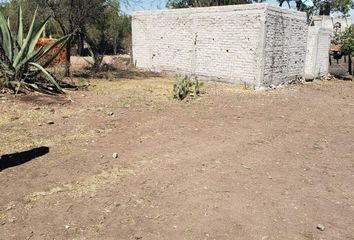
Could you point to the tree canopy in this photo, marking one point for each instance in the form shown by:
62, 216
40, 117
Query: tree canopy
321, 7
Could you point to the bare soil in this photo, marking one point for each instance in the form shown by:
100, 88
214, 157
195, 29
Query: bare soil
231, 164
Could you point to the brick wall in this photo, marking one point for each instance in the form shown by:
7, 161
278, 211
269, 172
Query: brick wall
243, 43
285, 46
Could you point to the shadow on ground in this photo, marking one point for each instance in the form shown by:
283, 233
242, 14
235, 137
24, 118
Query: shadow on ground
16, 159
116, 74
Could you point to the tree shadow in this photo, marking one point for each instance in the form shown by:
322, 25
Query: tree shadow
16, 159
117, 74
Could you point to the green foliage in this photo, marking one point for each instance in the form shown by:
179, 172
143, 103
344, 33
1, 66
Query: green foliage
185, 87
346, 40
108, 32
321, 7
20, 59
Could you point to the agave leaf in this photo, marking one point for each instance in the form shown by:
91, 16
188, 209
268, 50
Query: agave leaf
30, 57
20, 28
4, 66
8, 23
24, 49
47, 75
6, 63
7, 43
63, 40
12, 84
33, 86
36, 35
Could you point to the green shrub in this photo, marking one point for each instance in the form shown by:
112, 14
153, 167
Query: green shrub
185, 87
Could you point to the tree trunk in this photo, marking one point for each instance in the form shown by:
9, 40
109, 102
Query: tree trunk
67, 59
350, 64
80, 44
115, 45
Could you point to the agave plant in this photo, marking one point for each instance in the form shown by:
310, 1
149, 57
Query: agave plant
96, 59
22, 64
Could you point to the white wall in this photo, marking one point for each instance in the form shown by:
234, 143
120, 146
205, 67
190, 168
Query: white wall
285, 48
243, 43
317, 62
318, 44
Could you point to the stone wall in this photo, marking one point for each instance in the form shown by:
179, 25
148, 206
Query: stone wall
257, 43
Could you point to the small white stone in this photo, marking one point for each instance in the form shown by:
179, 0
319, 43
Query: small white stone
320, 227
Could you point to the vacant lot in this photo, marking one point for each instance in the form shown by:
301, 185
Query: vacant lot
232, 164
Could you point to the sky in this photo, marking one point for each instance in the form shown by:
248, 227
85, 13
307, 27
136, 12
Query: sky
139, 5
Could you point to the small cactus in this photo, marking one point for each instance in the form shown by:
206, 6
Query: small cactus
185, 87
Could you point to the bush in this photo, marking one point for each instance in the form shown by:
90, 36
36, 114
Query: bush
185, 87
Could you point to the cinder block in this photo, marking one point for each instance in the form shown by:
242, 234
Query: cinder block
259, 44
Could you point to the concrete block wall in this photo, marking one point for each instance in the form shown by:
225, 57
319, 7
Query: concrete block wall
318, 44
285, 46
243, 43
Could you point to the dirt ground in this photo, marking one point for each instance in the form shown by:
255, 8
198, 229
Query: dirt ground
232, 164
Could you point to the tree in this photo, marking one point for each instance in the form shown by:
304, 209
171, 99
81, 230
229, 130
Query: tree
71, 16
10, 10
346, 41
107, 33
321, 7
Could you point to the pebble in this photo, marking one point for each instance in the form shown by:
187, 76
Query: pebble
67, 226
110, 114
320, 227
115, 155
50, 122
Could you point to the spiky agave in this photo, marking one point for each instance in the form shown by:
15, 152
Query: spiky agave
21, 63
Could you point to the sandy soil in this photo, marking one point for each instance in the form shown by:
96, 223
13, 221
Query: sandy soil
232, 164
